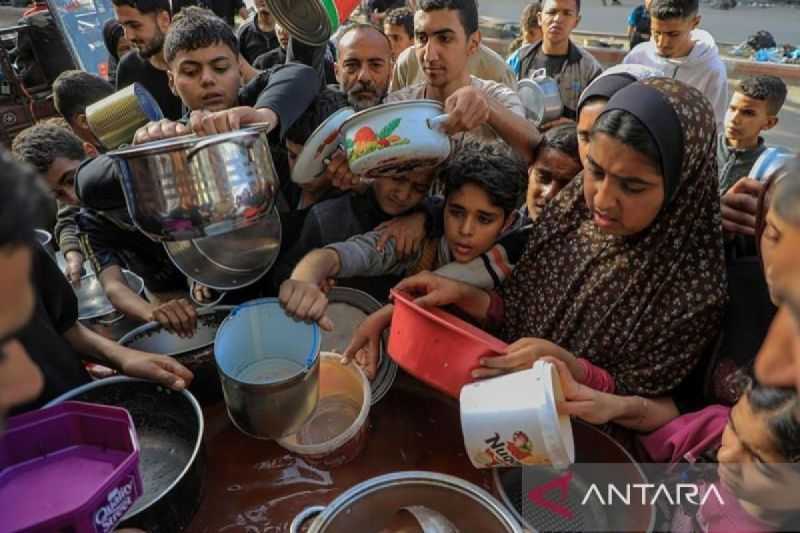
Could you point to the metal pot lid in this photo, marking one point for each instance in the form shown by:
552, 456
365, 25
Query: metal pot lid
305, 20
154, 338
320, 145
92, 300
183, 142
409, 105
233, 260
347, 308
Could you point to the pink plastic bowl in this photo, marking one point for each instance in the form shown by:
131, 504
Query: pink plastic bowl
437, 347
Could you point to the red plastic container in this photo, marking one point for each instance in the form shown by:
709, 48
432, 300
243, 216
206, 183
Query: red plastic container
438, 348
71, 467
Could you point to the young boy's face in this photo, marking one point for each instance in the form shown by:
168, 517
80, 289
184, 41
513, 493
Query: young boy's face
442, 45
399, 194
550, 173
398, 37
557, 19
673, 37
320, 184
60, 179
745, 119
782, 264
207, 78
471, 222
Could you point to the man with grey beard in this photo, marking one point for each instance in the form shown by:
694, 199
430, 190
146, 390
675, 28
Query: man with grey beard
364, 65
145, 23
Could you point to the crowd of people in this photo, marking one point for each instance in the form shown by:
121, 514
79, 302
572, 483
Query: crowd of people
625, 241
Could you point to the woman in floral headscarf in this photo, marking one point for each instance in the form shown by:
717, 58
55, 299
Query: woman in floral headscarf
623, 278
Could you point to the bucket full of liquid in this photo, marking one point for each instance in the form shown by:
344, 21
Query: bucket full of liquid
336, 432
269, 368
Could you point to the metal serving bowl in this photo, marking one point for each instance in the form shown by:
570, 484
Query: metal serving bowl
192, 187
92, 300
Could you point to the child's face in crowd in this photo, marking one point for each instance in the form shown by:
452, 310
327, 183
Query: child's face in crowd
673, 37
314, 186
550, 173
399, 194
471, 222
779, 248
747, 460
263, 10
442, 45
745, 119
398, 37
123, 46
144, 31
60, 179
207, 78
533, 34
557, 19
20, 379
621, 187
364, 67
586, 120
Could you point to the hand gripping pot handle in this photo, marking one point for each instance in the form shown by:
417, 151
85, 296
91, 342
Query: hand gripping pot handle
303, 516
205, 305
437, 123
238, 136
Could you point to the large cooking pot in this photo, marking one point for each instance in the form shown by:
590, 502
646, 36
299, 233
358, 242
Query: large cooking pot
96, 311
191, 187
396, 139
370, 505
231, 261
540, 97
169, 426
195, 353
598, 459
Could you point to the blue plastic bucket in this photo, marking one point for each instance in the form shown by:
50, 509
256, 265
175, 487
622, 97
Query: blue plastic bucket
269, 368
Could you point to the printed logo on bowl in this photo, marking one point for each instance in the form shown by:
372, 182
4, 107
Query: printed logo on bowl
518, 451
118, 501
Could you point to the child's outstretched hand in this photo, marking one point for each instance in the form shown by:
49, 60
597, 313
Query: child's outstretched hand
366, 343
584, 402
305, 301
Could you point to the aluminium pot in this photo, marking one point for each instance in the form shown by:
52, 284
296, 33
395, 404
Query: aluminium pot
96, 311
169, 427
370, 505
540, 97
192, 187
195, 353
396, 139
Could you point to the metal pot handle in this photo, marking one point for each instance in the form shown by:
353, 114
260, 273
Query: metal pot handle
112, 321
234, 136
205, 304
437, 123
303, 516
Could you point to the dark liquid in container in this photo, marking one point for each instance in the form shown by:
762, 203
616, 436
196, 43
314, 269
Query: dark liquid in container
256, 486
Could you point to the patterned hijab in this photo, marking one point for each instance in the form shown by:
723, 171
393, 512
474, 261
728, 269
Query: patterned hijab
645, 307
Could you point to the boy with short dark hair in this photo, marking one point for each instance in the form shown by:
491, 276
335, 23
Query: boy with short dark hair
109, 239
681, 51
399, 28
557, 163
73, 92
482, 185
753, 108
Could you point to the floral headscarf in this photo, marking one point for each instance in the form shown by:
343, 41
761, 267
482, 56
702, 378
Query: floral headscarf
646, 307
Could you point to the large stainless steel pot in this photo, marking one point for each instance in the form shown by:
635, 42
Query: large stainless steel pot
192, 187
370, 505
169, 426
540, 97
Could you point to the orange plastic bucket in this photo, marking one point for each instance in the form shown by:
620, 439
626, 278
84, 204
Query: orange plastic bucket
436, 347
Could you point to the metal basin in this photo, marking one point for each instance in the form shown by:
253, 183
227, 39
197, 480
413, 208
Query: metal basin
169, 426
192, 187
195, 353
92, 300
371, 505
231, 261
